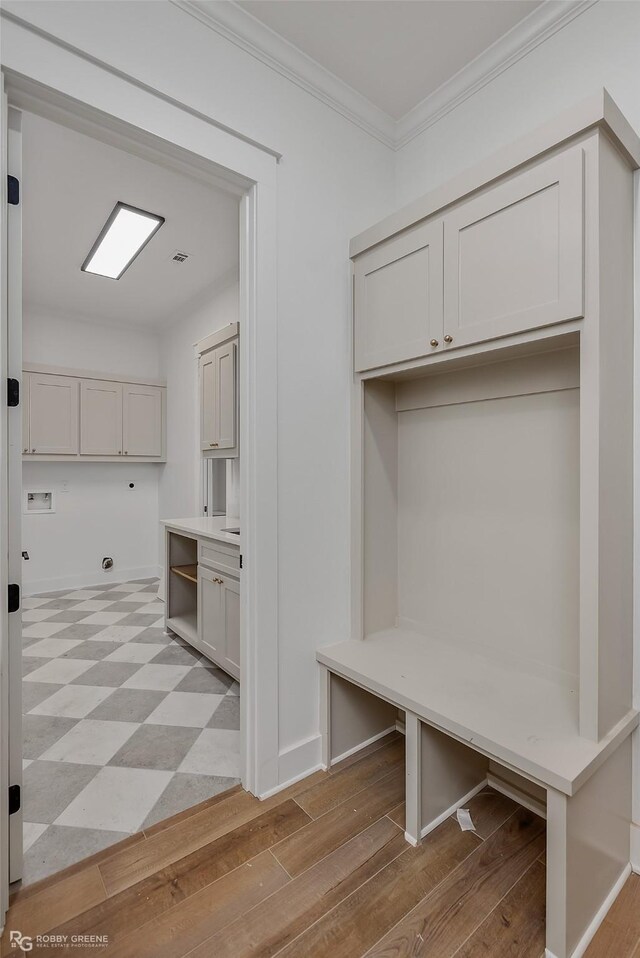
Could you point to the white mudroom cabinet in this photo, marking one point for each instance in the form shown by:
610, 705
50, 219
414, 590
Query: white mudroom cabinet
492, 501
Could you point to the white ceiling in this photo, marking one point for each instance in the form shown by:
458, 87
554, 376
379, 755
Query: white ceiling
71, 183
394, 52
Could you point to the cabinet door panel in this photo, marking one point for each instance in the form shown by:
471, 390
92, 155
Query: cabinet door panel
232, 626
219, 618
208, 424
142, 421
24, 398
53, 415
225, 402
513, 256
398, 298
100, 418
211, 614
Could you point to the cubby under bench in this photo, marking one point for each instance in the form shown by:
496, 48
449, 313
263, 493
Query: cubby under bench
469, 720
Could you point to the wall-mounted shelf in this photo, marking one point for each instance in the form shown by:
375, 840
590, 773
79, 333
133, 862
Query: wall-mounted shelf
189, 572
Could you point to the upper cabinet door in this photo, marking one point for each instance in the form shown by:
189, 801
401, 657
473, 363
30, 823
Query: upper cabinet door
219, 399
100, 418
398, 298
513, 256
24, 399
53, 415
208, 424
225, 395
142, 421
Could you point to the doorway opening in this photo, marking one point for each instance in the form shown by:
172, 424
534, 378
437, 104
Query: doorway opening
128, 718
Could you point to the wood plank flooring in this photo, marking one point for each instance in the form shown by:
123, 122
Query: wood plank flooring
321, 870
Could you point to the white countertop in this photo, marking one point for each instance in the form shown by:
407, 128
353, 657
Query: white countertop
204, 527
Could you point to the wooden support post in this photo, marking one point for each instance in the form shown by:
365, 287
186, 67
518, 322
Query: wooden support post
413, 778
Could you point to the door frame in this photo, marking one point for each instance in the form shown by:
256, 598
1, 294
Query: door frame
48, 77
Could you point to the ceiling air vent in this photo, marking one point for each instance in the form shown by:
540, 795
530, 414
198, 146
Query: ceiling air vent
179, 257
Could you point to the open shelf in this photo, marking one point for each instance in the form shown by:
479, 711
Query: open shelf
189, 572
524, 720
185, 625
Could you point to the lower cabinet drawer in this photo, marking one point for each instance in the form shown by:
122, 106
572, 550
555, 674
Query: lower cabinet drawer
219, 618
218, 556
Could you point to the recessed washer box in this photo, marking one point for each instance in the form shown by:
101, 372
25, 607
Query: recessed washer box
38, 502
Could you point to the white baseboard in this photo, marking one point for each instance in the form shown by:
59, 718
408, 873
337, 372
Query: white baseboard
598, 918
505, 788
449, 812
635, 848
295, 763
356, 748
86, 580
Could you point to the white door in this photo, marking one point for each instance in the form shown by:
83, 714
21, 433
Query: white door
225, 395
208, 423
10, 509
142, 421
53, 415
398, 298
513, 256
100, 418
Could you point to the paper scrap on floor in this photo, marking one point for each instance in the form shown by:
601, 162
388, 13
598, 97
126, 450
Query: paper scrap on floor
464, 820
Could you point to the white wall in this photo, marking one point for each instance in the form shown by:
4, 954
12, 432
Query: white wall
82, 344
179, 483
599, 48
97, 513
333, 181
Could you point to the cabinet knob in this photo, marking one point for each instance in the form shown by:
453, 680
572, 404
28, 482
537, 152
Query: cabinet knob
126, 452
33, 450
434, 343
219, 581
119, 452
213, 443
448, 338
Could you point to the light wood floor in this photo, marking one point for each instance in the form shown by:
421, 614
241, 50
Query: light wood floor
321, 869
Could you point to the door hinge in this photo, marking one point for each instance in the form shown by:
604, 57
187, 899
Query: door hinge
13, 190
14, 799
13, 392
240, 560
14, 597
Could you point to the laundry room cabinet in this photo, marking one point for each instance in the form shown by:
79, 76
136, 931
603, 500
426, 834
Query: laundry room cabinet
219, 622
53, 415
76, 415
506, 260
101, 418
218, 374
202, 587
142, 421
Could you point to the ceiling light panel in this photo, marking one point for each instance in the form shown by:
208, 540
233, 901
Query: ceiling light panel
123, 237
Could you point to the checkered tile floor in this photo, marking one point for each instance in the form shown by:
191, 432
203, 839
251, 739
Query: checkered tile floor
123, 725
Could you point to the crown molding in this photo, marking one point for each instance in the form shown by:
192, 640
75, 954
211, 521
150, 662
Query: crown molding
545, 21
254, 37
